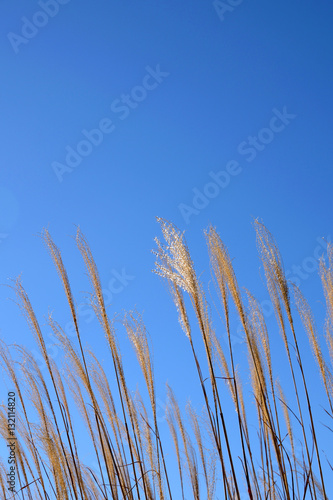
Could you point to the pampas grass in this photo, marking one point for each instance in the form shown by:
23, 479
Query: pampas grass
218, 453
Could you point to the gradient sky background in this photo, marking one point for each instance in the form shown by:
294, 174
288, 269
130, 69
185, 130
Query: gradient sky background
225, 78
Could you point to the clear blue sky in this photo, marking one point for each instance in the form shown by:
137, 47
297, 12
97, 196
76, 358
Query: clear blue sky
185, 99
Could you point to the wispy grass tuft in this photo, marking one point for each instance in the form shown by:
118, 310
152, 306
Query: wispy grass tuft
261, 443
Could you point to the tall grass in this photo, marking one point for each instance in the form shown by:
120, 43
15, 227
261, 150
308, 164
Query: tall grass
218, 453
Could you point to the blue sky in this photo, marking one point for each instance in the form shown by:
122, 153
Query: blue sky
198, 88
